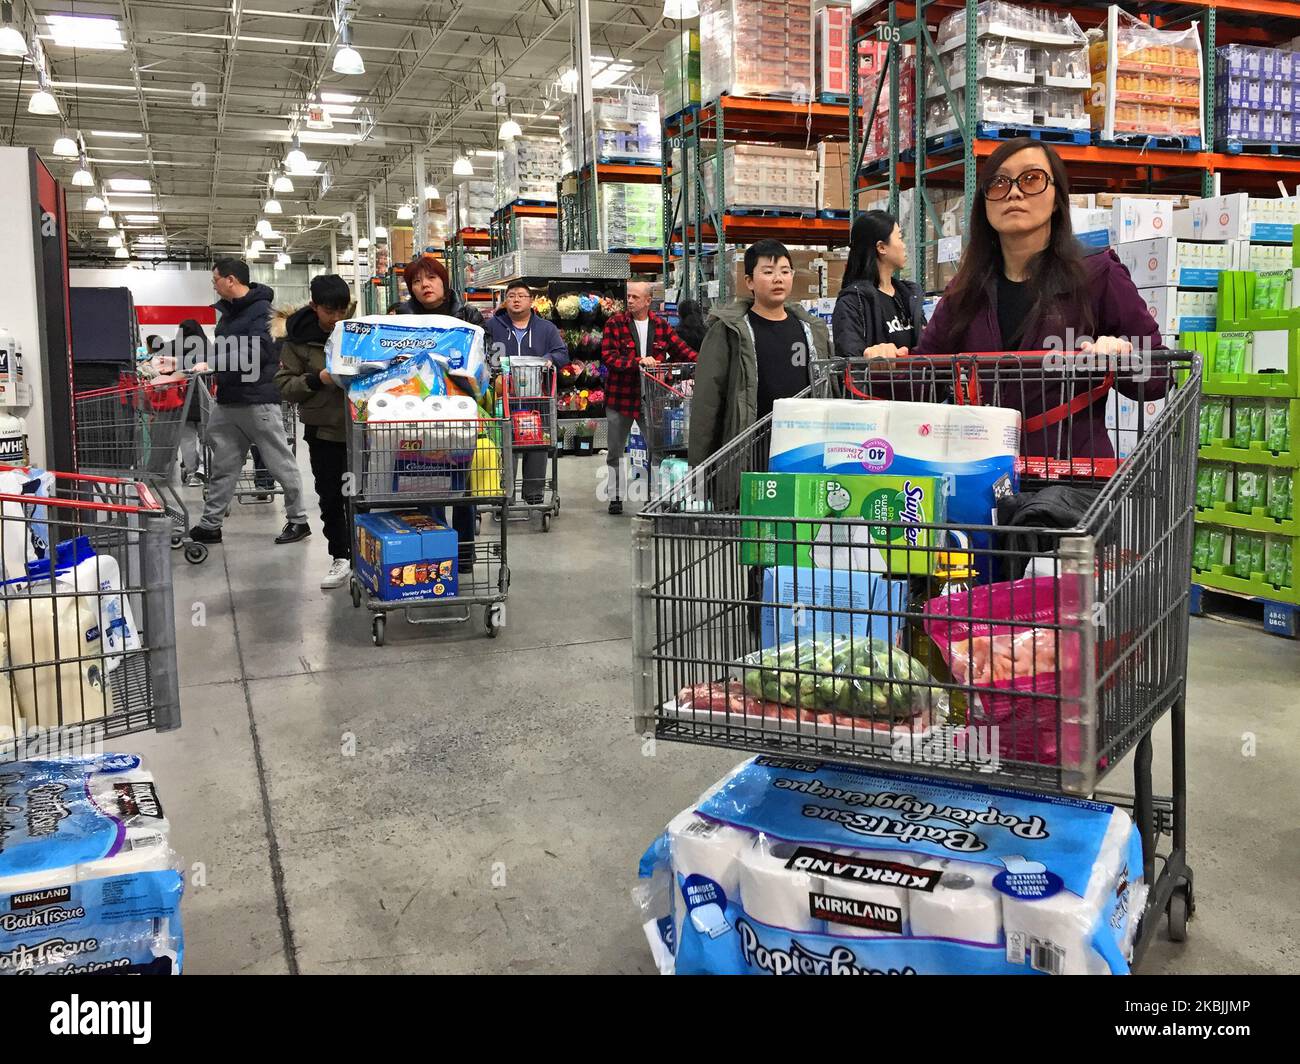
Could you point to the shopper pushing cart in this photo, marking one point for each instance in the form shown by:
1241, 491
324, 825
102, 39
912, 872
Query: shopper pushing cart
898, 628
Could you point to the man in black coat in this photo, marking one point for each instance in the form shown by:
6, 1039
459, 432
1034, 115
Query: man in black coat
247, 412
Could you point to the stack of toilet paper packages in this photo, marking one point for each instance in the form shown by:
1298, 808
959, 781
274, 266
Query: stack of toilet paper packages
361, 347
790, 867
65, 629
88, 880
974, 449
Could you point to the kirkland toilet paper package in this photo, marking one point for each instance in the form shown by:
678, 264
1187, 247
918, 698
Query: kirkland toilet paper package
793, 867
87, 877
973, 447
363, 346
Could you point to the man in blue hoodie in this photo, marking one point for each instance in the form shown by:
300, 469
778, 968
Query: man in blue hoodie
248, 412
514, 331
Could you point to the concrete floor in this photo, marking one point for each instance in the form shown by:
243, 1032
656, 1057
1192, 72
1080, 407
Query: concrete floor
493, 812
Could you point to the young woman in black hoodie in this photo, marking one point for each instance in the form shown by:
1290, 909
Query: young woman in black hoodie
874, 308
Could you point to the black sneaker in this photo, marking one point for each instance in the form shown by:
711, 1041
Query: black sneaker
199, 534
292, 532
615, 506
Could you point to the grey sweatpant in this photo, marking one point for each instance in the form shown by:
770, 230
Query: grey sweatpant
619, 427
232, 430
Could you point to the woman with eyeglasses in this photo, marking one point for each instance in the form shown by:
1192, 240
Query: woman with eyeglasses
1026, 284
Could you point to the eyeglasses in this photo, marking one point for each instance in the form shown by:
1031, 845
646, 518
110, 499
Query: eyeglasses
1031, 183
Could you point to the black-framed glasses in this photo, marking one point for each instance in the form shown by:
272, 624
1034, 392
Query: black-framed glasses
1031, 183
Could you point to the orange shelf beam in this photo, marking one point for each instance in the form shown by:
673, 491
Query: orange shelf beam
646, 263
628, 173
531, 210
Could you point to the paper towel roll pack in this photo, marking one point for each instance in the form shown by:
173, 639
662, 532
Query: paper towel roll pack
88, 879
791, 867
363, 346
973, 447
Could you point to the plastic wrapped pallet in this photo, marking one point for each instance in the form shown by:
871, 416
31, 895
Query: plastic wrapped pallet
756, 48
530, 169
1257, 95
470, 205
1146, 80
536, 234
834, 24
759, 175
800, 867
632, 215
88, 879
681, 72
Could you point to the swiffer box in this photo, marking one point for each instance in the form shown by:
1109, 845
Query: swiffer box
406, 554
893, 547
798, 602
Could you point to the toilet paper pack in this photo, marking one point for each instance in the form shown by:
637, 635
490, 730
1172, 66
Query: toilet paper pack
827, 869
972, 448
363, 346
87, 877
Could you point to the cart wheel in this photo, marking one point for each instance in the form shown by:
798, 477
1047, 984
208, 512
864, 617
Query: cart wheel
546, 522
496, 516
478, 523
555, 507
196, 553
1179, 911
492, 620
377, 630
178, 540
356, 595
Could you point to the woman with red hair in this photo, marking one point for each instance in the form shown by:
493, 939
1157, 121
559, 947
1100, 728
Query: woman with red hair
431, 291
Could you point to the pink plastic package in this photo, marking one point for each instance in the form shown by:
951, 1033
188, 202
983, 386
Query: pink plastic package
1018, 640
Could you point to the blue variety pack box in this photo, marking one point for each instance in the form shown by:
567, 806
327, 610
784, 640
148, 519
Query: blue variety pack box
406, 554
799, 602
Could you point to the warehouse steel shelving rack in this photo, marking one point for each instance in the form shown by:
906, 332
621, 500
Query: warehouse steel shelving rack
692, 232
1093, 167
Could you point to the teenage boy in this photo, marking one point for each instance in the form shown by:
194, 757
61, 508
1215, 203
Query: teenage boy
514, 331
630, 341
757, 350
322, 409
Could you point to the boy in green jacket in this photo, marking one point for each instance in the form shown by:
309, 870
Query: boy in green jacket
322, 409
757, 350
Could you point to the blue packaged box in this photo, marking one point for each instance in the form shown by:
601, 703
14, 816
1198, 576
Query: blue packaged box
835, 601
406, 554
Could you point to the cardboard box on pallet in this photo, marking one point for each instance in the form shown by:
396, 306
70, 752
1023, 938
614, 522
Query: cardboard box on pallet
833, 175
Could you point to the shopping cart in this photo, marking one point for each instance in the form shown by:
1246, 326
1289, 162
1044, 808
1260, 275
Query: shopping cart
90, 646
530, 390
255, 484
666, 390
133, 430
1038, 660
433, 465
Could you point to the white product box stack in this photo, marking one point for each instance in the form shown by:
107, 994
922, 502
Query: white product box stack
530, 169
470, 205
1031, 69
758, 175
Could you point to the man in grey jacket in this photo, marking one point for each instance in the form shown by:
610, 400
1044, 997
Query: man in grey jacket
757, 350
247, 413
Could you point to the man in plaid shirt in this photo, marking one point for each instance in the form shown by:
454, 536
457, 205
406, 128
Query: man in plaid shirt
632, 340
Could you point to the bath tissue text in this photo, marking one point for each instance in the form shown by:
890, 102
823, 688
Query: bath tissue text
800, 960
896, 830
912, 808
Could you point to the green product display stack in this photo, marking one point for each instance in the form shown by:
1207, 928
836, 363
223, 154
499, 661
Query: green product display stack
1248, 479
681, 72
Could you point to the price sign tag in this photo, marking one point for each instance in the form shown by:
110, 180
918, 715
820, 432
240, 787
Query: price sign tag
579, 262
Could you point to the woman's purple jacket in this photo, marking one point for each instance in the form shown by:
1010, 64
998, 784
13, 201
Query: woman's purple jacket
1118, 310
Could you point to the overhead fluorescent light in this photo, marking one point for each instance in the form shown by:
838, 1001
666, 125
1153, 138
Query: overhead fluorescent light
121, 253
113, 134
151, 241
95, 204
115, 241
263, 227
405, 213
282, 183
272, 206
128, 184
347, 60
140, 219
487, 153
380, 233
569, 80
611, 75
283, 258
106, 222
681, 9
82, 177
85, 31
431, 192
510, 129
256, 246
12, 41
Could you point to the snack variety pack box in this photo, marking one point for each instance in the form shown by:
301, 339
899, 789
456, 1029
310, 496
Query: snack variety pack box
406, 554
901, 501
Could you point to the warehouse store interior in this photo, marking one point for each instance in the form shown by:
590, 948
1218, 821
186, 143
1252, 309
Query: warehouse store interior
821, 475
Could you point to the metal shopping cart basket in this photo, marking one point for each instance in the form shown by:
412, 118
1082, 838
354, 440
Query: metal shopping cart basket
1054, 651
90, 646
133, 430
438, 467
530, 391
666, 391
